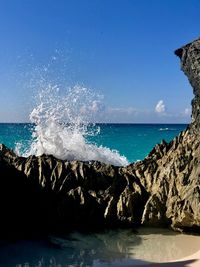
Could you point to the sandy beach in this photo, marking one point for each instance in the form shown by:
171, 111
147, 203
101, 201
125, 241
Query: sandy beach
193, 260
166, 249
189, 261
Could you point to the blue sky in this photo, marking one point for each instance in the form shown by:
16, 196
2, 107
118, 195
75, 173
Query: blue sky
122, 49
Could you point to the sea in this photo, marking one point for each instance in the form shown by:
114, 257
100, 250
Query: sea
64, 125
118, 144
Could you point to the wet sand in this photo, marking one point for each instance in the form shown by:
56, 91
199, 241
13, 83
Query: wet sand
192, 260
176, 250
165, 246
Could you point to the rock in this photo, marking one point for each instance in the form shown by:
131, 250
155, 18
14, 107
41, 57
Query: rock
190, 64
46, 194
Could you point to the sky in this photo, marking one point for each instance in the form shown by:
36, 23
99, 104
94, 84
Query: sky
122, 49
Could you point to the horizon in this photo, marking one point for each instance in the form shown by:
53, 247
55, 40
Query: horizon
97, 123
122, 50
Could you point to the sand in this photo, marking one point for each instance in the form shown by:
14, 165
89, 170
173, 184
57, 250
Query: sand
191, 261
167, 249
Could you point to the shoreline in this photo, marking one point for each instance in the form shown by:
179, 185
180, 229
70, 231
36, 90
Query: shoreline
189, 261
150, 247
193, 260
161, 247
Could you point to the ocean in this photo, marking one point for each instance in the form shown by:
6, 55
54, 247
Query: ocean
131, 142
61, 126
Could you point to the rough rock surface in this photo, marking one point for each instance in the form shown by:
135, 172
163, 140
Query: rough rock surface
190, 64
44, 193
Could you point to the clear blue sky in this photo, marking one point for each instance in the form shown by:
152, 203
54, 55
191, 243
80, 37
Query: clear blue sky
123, 49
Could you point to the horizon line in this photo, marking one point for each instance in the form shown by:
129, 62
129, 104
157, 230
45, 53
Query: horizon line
184, 123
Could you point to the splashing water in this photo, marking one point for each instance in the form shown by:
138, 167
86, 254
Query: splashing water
63, 123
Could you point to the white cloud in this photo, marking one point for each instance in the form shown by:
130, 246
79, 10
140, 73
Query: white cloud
116, 114
125, 115
124, 110
160, 107
187, 111
96, 106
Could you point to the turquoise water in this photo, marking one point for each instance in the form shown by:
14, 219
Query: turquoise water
134, 141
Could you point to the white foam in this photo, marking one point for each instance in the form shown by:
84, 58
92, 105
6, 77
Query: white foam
167, 129
62, 124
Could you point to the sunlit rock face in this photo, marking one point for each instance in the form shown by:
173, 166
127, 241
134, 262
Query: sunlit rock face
190, 64
171, 172
47, 194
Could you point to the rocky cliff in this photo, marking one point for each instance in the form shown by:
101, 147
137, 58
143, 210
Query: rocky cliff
44, 193
190, 64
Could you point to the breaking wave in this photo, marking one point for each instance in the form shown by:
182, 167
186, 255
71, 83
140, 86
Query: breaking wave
62, 124
167, 129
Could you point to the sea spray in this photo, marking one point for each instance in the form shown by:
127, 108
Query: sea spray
62, 124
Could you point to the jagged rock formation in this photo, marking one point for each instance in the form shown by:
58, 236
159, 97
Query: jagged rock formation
162, 190
190, 64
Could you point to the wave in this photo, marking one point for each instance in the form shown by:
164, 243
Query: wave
62, 124
167, 129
